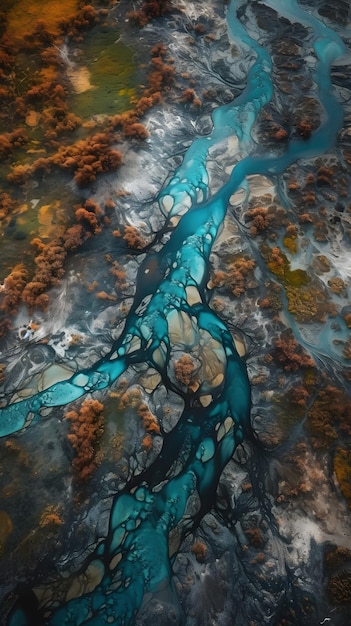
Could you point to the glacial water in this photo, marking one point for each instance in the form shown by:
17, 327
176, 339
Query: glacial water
134, 560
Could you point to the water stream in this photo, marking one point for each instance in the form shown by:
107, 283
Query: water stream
134, 560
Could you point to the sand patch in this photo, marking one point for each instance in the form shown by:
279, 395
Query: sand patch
80, 79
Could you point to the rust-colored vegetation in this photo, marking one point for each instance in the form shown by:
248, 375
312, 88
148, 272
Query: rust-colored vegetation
272, 300
342, 469
51, 256
339, 588
304, 128
289, 354
10, 141
326, 184
150, 424
132, 398
238, 278
259, 220
50, 517
7, 205
86, 17
199, 550
11, 294
254, 537
149, 10
131, 236
329, 417
85, 160
41, 103
189, 95
185, 372
86, 428
119, 274
308, 300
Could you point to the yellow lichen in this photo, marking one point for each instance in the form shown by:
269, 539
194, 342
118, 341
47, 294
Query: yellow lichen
309, 303
291, 244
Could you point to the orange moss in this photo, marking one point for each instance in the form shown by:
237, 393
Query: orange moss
129, 397
337, 286
254, 537
281, 134
48, 272
147, 442
339, 588
289, 353
21, 455
27, 19
325, 176
46, 91
102, 295
238, 278
299, 396
129, 123
149, 420
86, 428
50, 517
74, 237
85, 159
149, 10
52, 256
199, 549
304, 128
259, 218
309, 198
11, 295
12, 140
277, 262
329, 414
293, 185
273, 298
161, 75
51, 56
131, 236
119, 274
85, 18
347, 319
189, 95
58, 120
88, 216
133, 398
185, 372
305, 218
